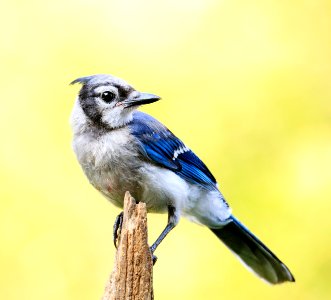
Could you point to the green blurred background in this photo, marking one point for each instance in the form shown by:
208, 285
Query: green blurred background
246, 85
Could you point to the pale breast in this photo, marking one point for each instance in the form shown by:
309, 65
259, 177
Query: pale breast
110, 162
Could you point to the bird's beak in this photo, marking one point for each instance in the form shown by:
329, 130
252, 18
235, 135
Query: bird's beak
142, 98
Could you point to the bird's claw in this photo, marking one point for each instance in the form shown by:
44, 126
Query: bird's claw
154, 258
117, 228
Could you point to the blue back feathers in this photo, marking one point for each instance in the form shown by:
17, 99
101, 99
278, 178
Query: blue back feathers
162, 147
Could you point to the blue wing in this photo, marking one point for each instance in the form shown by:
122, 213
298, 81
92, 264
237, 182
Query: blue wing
161, 146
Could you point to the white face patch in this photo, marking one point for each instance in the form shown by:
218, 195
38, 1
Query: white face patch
100, 90
180, 150
117, 116
113, 114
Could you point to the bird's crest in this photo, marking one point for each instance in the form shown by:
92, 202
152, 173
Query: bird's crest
83, 80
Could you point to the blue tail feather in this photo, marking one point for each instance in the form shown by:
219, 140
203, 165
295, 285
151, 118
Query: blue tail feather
252, 252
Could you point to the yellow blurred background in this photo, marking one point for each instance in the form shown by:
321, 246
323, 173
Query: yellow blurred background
246, 85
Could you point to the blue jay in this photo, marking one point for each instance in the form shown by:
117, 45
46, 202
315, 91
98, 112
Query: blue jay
121, 149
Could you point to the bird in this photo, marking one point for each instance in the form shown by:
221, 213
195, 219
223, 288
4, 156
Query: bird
122, 149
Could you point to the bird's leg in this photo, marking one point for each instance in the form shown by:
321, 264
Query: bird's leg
117, 228
173, 218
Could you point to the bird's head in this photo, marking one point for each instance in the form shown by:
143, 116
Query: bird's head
108, 101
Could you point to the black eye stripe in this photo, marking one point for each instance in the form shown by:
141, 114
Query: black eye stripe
91, 111
94, 95
123, 92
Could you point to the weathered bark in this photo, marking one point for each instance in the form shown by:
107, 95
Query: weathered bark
132, 274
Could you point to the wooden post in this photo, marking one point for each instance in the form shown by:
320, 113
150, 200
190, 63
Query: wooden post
132, 274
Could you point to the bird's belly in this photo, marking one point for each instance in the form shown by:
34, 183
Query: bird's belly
155, 186
113, 182
161, 188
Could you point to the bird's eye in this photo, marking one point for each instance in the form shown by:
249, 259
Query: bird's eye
108, 96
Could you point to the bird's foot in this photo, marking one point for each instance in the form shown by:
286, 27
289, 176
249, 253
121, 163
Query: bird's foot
152, 249
117, 233
154, 258
117, 229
